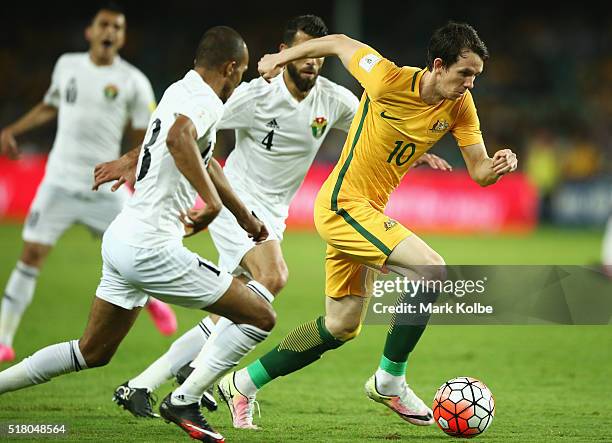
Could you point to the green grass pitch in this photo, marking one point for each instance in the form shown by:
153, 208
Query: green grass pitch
549, 382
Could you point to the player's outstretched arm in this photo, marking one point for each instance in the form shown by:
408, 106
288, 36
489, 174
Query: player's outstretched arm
339, 45
248, 220
181, 142
37, 116
485, 170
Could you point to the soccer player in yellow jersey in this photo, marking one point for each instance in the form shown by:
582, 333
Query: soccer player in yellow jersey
404, 111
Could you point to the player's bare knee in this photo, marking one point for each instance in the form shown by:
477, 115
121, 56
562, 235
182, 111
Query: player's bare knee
274, 280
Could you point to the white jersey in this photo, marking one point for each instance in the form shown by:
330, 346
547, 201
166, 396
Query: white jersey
277, 137
95, 103
151, 217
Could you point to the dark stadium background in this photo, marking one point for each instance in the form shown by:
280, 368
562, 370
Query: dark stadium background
547, 88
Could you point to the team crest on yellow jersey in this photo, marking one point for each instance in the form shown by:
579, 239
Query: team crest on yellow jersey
389, 224
318, 126
440, 125
111, 92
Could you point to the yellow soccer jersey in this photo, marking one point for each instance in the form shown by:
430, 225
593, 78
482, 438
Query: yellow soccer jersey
392, 128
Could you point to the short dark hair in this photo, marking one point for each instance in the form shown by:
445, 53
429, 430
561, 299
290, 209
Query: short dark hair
219, 45
108, 6
450, 40
309, 24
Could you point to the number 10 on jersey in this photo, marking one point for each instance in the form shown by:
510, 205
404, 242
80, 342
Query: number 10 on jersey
399, 152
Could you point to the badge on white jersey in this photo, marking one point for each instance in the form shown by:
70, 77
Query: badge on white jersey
111, 92
318, 126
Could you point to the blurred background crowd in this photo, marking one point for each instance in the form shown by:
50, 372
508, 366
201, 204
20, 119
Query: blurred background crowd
546, 91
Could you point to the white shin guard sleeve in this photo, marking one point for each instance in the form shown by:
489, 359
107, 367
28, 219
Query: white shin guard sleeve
42, 366
228, 343
186, 347
54, 360
17, 297
183, 350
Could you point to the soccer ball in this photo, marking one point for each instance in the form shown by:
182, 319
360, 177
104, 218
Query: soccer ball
463, 407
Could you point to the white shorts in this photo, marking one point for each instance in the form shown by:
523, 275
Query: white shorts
55, 209
232, 242
172, 273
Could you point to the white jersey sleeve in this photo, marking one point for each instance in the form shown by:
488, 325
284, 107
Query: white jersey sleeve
54, 93
346, 108
239, 110
143, 101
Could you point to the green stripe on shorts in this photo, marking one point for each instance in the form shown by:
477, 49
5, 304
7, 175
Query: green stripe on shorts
364, 232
